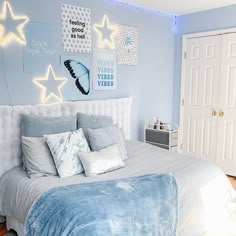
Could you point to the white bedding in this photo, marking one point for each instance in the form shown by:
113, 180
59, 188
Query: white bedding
198, 182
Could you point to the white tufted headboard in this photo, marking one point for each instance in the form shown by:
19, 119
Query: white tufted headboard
10, 119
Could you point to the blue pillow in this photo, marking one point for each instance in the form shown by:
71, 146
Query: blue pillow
85, 121
37, 126
104, 137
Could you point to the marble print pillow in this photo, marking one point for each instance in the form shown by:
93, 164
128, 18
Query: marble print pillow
64, 148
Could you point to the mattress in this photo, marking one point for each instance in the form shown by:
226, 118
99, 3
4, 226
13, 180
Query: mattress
197, 181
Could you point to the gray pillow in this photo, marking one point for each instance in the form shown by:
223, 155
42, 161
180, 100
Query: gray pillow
104, 137
93, 122
37, 126
37, 157
105, 160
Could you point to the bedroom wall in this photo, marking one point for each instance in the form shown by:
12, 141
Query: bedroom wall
216, 19
149, 82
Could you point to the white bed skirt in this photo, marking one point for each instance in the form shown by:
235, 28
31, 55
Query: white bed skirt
2, 219
13, 223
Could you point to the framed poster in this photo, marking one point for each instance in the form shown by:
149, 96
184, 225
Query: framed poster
127, 45
104, 69
77, 71
76, 28
42, 48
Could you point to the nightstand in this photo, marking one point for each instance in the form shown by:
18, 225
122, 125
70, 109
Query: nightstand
167, 139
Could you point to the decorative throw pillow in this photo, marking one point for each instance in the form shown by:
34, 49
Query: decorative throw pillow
64, 148
37, 126
85, 121
105, 160
104, 137
37, 157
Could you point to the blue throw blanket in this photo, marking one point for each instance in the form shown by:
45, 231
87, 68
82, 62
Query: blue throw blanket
138, 206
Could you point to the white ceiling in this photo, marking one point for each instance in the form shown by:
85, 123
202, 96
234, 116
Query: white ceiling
180, 7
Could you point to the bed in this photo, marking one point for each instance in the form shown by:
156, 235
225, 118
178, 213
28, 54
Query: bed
204, 190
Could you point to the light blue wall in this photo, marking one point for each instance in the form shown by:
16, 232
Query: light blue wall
220, 18
150, 82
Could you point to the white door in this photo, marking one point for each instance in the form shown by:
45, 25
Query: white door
201, 89
226, 142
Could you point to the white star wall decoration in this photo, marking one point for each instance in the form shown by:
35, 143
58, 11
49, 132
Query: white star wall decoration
106, 33
11, 26
51, 86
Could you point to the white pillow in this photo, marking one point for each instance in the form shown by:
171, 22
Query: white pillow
64, 148
105, 160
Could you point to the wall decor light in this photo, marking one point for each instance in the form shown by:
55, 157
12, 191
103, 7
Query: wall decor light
51, 86
138, 7
11, 26
106, 33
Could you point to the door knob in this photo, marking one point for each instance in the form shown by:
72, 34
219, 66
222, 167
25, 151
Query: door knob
214, 113
221, 114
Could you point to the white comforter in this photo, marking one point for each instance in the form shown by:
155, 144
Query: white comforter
204, 190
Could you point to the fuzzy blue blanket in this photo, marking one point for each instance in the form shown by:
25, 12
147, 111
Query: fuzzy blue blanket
138, 206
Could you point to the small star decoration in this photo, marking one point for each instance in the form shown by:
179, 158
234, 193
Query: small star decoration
50, 85
106, 33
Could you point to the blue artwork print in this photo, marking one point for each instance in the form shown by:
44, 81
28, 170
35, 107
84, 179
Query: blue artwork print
104, 69
80, 73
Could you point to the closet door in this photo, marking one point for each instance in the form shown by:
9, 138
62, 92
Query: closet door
201, 89
226, 144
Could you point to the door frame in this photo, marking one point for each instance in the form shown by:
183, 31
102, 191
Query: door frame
185, 37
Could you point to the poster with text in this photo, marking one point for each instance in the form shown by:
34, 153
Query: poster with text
76, 28
42, 48
104, 69
127, 45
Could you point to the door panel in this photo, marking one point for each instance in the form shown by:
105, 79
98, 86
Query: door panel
201, 96
226, 148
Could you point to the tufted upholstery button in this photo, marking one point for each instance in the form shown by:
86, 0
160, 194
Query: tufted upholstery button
10, 120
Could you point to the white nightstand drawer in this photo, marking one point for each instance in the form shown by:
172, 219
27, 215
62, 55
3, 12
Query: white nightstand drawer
174, 138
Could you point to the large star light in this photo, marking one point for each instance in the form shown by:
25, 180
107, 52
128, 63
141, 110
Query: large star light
50, 85
11, 26
106, 33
